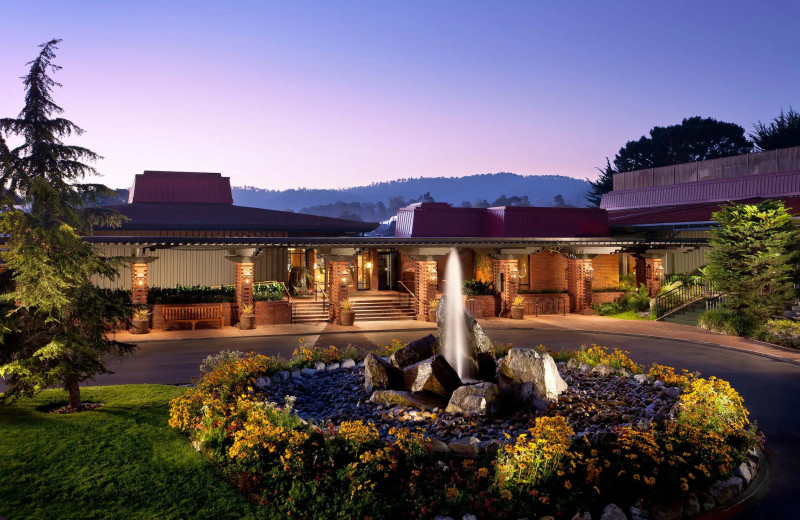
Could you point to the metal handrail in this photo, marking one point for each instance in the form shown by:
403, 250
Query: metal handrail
687, 293
415, 301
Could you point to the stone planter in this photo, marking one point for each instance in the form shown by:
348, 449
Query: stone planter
347, 318
140, 326
247, 322
517, 312
432, 315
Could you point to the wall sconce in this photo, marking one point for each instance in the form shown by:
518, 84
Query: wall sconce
140, 272
433, 278
588, 270
247, 277
369, 265
514, 273
659, 271
344, 277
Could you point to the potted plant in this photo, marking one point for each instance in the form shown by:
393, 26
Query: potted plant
433, 304
140, 323
346, 313
247, 317
517, 308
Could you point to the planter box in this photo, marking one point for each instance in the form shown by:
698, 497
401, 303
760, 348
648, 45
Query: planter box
227, 313
544, 306
485, 306
273, 313
605, 297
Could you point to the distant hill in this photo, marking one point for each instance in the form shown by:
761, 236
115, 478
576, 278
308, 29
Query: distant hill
540, 190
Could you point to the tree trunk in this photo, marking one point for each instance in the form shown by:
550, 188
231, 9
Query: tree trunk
74, 396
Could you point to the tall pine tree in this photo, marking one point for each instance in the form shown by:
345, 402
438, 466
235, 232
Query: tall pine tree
753, 258
55, 318
603, 184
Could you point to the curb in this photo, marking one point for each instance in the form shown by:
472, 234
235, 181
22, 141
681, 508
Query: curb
757, 490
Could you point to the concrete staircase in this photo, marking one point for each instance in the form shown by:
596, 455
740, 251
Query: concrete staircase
308, 312
689, 315
382, 309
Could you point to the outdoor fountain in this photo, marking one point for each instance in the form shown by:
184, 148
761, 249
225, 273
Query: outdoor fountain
454, 341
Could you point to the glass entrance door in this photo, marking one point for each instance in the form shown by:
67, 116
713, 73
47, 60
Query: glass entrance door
387, 270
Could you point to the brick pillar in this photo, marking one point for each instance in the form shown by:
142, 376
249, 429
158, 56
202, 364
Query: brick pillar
338, 272
425, 282
588, 282
374, 283
139, 283
578, 285
244, 283
510, 276
648, 273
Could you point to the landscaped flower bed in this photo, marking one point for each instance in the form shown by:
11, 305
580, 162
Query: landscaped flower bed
595, 446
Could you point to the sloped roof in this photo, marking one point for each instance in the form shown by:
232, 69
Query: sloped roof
221, 217
181, 187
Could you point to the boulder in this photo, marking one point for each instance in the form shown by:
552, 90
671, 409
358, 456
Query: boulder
640, 378
744, 472
725, 490
530, 376
319, 365
431, 375
638, 514
706, 501
379, 374
348, 363
613, 512
476, 339
308, 372
415, 351
672, 511
333, 366
262, 383
420, 400
603, 370
691, 505
477, 399
582, 516
466, 446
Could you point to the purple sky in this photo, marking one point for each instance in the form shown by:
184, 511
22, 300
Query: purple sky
330, 93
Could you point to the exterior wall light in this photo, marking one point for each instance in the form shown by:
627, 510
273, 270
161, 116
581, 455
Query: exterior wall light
588, 270
369, 265
433, 278
514, 273
659, 272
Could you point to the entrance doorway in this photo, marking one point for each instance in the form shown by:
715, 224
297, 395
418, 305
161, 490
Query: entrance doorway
387, 270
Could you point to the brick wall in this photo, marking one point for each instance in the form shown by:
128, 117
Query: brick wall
486, 306
548, 271
606, 271
605, 297
228, 313
545, 303
273, 313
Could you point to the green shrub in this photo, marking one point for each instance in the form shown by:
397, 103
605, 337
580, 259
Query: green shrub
211, 363
191, 294
477, 288
608, 309
726, 321
785, 333
267, 292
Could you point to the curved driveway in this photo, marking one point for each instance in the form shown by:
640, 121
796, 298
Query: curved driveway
770, 387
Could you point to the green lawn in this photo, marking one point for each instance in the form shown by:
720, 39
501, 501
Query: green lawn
627, 315
119, 461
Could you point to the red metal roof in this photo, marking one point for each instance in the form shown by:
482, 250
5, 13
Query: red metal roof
181, 187
442, 220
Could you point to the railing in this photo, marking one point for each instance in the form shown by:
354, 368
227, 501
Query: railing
713, 303
549, 305
695, 289
410, 297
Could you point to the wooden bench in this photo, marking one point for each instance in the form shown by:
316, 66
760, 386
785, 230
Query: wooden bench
192, 314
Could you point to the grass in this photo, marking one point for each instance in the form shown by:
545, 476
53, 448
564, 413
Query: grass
627, 315
119, 461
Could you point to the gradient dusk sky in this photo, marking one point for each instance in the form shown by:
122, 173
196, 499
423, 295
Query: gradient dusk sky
333, 93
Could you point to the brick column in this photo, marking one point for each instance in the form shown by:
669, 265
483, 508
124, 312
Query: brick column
425, 282
244, 283
509, 269
648, 273
579, 284
139, 283
338, 272
374, 282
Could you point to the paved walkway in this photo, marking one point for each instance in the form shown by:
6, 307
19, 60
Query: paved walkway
574, 322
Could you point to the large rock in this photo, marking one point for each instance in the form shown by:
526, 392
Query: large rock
726, 490
613, 512
431, 375
416, 351
478, 399
530, 376
476, 339
423, 401
381, 375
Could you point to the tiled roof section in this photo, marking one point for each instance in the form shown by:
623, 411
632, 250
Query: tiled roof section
442, 220
682, 214
777, 185
220, 217
181, 187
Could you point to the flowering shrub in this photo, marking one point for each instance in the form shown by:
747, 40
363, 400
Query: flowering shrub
534, 457
297, 469
597, 355
783, 332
